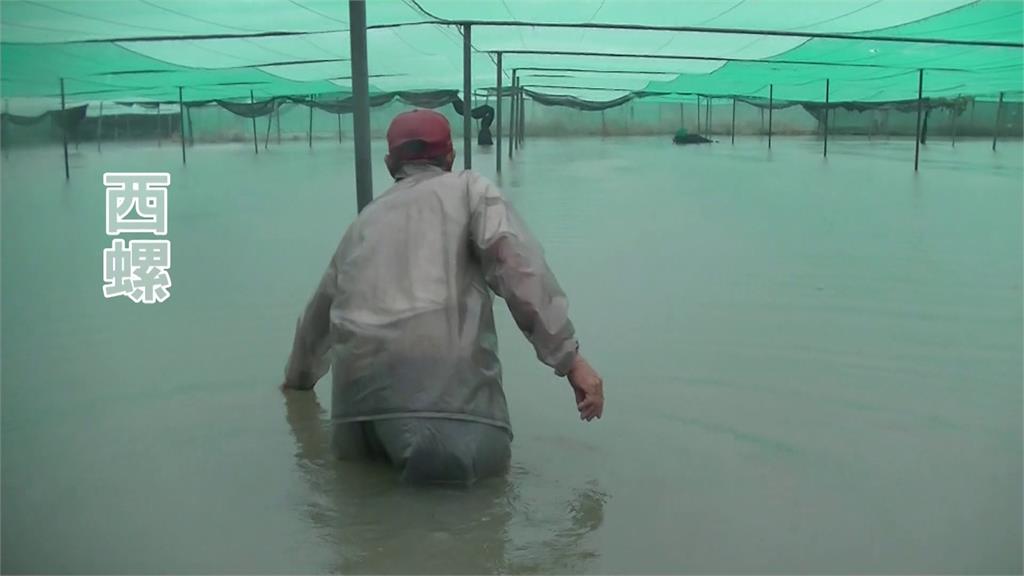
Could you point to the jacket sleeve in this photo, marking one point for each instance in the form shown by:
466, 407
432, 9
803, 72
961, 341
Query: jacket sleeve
308, 361
514, 267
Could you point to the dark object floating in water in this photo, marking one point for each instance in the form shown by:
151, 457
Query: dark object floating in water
682, 137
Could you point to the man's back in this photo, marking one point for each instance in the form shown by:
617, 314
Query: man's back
412, 313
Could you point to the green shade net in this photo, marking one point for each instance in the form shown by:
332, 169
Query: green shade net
145, 50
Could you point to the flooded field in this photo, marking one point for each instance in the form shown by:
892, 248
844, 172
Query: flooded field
811, 366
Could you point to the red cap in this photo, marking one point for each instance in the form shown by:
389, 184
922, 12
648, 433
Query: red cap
426, 125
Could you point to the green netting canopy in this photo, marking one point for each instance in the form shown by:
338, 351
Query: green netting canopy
669, 50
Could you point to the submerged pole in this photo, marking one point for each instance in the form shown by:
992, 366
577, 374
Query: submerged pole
64, 131
825, 152
917, 139
733, 121
952, 116
360, 102
266, 138
497, 133
519, 110
699, 132
99, 129
310, 120
181, 121
999, 113
191, 132
710, 116
277, 115
3, 128
512, 113
255, 138
682, 115
467, 96
339, 127
159, 133
771, 106
522, 115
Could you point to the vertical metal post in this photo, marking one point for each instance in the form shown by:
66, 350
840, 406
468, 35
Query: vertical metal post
99, 129
699, 132
733, 132
707, 110
497, 103
181, 121
270, 120
339, 127
825, 152
999, 119
277, 114
771, 106
953, 115
521, 134
3, 127
512, 112
310, 120
191, 132
519, 110
64, 131
360, 102
159, 133
467, 96
682, 115
916, 139
252, 99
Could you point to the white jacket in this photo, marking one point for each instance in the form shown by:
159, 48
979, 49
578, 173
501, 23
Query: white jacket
406, 307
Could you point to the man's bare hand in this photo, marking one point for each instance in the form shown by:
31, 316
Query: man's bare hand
589, 389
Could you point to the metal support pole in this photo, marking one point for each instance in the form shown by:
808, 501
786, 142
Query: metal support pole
521, 134
917, 138
999, 119
710, 116
99, 129
497, 103
953, 114
277, 114
64, 131
512, 113
266, 137
360, 101
159, 133
3, 128
181, 121
771, 106
682, 115
519, 111
699, 132
191, 132
733, 132
339, 127
825, 152
255, 138
310, 120
467, 96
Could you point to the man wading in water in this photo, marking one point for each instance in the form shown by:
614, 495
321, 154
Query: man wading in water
406, 307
